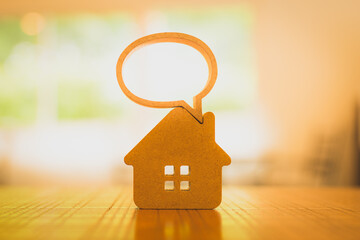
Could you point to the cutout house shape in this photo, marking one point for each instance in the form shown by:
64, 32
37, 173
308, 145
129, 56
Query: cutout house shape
178, 164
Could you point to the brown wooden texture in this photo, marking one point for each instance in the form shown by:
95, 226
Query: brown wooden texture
245, 213
178, 140
175, 37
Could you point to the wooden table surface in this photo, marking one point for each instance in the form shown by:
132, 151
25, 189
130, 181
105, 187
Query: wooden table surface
246, 213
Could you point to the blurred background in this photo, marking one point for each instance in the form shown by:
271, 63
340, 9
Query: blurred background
286, 100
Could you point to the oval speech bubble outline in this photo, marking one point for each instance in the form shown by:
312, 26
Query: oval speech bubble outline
175, 38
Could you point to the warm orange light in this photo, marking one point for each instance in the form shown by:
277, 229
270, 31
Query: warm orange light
32, 23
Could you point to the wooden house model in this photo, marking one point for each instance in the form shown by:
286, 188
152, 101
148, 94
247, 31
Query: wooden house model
178, 164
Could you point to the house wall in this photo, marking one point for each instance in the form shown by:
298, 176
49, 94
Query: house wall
205, 185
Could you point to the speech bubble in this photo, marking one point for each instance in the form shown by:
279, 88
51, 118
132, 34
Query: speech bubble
174, 37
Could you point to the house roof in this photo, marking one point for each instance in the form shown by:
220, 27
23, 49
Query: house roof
180, 134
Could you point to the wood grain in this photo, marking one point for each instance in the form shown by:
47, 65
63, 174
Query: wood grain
245, 213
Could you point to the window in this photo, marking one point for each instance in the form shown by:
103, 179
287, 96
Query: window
169, 185
169, 170
184, 170
176, 177
185, 185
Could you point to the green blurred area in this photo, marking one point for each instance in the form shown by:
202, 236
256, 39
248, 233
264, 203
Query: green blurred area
17, 102
17, 105
10, 35
77, 100
71, 47
78, 96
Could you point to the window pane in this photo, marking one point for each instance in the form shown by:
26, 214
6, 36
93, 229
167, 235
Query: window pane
169, 170
169, 185
184, 185
184, 170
